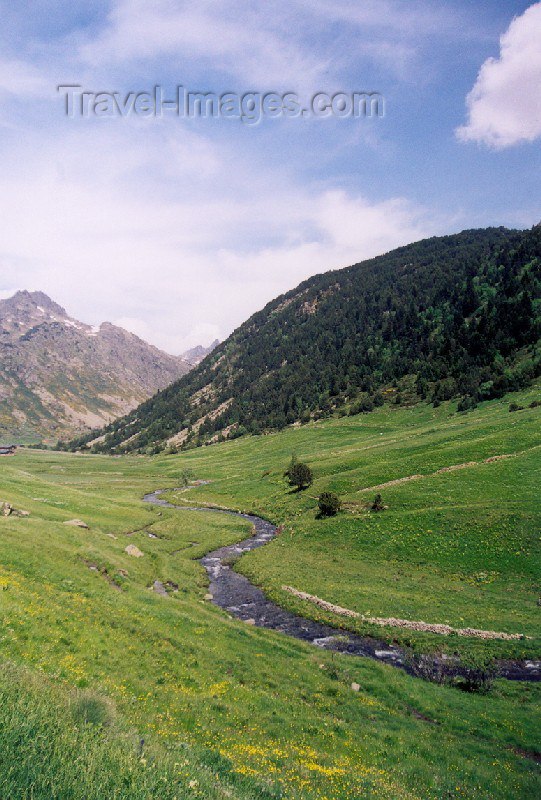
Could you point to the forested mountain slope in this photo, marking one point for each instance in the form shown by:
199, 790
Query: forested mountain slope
450, 316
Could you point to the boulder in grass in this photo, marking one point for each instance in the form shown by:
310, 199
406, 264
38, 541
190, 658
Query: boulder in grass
159, 588
76, 523
7, 510
134, 551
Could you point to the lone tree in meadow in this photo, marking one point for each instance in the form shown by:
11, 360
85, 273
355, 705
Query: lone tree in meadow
299, 474
329, 504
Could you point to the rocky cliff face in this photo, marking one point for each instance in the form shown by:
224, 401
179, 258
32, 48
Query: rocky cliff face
60, 377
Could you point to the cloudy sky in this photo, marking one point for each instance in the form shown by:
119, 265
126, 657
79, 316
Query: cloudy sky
180, 229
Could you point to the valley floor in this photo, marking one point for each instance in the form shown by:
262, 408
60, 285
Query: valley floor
228, 710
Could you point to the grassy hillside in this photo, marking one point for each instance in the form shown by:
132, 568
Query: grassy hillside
456, 316
460, 546
267, 715
58, 743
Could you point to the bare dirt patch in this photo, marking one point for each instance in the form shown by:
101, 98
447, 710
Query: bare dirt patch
532, 755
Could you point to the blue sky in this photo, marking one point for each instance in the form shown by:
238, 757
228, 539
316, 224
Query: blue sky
179, 230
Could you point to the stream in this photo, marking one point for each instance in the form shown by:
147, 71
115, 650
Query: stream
235, 594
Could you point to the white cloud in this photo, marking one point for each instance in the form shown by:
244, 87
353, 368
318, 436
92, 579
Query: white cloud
20, 78
113, 226
234, 39
403, 16
504, 106
203, 333
179, 232
335, 230
284, 46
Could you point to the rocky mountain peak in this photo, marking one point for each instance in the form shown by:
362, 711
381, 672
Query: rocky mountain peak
25, 300
198, 353
60, 376
27, 310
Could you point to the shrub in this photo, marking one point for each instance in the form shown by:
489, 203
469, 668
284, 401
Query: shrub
329, 504
514, 407
299, 474
377, 505
478, 674
364, 405
466, 404
186, 476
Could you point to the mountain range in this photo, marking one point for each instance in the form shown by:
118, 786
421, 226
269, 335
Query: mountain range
449, 317
60, 377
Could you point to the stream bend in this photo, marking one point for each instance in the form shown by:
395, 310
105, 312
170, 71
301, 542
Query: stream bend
235, 594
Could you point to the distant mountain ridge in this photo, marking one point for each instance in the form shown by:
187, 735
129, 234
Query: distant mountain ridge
196, 354
60, 376
453, 316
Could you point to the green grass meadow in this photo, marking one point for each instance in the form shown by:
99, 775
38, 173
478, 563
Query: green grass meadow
93, 661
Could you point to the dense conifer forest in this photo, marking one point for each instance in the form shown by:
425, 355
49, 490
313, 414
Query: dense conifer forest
449, 317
